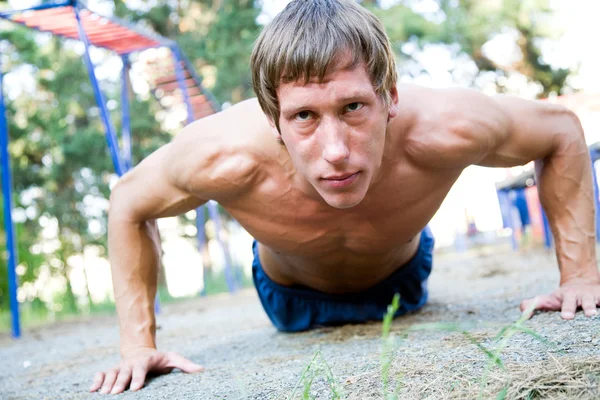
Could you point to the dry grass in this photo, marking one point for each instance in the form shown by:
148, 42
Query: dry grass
556, 378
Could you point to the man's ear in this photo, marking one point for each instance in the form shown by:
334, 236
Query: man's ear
393, 106
274, 129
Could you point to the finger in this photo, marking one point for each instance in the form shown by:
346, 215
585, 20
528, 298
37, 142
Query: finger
98, 379
109, 381
546, 302
588, 304
122, 381
177, 361
569, 306
137, 378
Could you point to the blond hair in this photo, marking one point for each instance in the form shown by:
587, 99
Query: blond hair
311, 38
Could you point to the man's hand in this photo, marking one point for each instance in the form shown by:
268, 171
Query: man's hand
573, 294
134, 367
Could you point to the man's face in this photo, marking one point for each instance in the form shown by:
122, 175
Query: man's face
335, 133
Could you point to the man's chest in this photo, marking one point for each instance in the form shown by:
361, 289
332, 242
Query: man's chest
391, 214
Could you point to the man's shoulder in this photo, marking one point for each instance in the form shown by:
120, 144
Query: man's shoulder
223, 153
448, 127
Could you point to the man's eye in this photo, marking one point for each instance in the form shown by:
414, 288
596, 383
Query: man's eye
303, 116
354, 107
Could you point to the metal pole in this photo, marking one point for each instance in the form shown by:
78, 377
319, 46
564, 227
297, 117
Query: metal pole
201, 236
8, 221
198, 79
214, 215
200, 221
212, 209
506, 211
547, 231
111, 137
181, 81
126, 125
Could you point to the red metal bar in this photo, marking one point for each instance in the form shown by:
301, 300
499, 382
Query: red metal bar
37, 21
67, 30
198, 99
140, 42
170, 78
169, 87
111, 33
203, 113
129, 49
91, 29
116, 39
194, 91
125, 50
68, 25
42, 14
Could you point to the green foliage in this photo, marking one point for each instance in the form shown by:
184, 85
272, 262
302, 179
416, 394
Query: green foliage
466, 26
216, 35
60, 162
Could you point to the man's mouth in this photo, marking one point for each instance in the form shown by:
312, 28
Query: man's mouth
340, 180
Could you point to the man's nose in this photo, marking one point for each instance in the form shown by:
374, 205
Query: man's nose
335, 148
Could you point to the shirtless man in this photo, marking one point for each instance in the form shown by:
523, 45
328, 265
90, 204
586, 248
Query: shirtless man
336, 171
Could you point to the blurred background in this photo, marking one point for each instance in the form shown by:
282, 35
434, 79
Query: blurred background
62, 170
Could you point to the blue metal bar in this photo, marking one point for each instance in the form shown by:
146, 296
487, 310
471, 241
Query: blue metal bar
200, 222
201, 236
8, 14
126, 125
8, 221
213, 212
507, 219
111, 138
181, 82
198, 79
547, 231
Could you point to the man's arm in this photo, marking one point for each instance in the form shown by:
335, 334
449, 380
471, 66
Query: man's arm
517, 131
142, 195
205, 161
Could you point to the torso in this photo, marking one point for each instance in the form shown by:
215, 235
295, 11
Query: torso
302, 240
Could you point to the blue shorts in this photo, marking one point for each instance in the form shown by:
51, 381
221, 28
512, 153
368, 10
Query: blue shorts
297, 308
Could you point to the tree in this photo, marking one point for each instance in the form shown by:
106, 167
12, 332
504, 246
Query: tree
217, 35
61, 168
467, 26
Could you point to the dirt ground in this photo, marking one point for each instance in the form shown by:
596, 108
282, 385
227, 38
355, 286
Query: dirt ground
246, 358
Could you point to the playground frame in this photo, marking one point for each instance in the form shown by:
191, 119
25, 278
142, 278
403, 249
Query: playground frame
73, 20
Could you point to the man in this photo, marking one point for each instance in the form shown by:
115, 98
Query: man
336, 170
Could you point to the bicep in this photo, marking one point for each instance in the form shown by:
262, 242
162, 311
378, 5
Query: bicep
534, 130
149, 190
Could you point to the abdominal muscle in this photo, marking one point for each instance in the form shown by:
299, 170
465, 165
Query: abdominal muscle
339, 270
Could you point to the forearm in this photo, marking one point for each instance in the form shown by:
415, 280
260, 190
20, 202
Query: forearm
566, 192
134, 252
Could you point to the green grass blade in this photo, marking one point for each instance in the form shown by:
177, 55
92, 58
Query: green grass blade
493, 357
291, 396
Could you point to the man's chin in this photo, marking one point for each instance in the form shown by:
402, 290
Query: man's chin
342, 202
